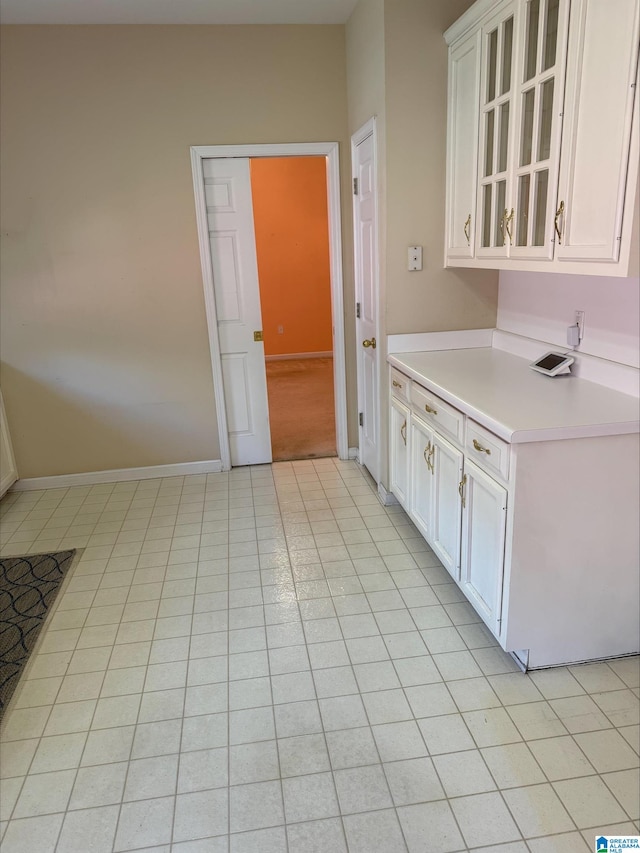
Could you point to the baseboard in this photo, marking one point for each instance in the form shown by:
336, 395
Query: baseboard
353, 453
91, 478
386, 498
296, 355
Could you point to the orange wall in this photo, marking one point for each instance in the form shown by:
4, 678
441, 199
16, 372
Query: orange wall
291, 226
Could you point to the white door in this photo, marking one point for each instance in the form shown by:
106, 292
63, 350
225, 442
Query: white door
227, 186
445, 532
483, 535
366, 274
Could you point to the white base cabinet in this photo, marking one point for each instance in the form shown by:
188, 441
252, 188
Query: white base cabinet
399, 452
435, 504
541, 536
484, 520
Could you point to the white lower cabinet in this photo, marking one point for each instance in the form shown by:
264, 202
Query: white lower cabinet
484, 518
399, 451
435, 506
458, 508
540, 535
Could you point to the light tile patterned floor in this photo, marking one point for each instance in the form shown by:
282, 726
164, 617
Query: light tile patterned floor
268, 661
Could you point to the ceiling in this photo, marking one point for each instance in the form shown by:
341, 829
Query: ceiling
175, 11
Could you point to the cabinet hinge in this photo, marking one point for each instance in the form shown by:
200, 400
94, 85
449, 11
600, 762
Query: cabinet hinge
358, 310
361, 419
355, 186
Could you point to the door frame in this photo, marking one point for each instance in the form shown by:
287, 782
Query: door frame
369, 128
330, 151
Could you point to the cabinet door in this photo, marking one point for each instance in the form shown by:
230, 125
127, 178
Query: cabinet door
422, 476
601, 83
483, 536
462, 145
494, 203
539, 98
447, 504
399, 452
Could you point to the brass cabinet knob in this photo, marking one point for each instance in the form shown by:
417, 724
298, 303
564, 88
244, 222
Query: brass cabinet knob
369, 343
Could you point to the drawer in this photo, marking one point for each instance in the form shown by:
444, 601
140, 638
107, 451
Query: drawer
487, 450
399, 385
435, 411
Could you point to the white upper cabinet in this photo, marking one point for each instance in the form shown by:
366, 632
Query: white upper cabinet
601, 84
548, 149
462, 134
495, 195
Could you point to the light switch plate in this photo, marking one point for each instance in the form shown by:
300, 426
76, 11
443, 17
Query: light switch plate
414, 258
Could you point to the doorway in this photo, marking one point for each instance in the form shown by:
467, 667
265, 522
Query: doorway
238, 381
292, 245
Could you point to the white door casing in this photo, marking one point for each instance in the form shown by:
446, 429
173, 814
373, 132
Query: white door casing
227, 188
224, 411
365, 228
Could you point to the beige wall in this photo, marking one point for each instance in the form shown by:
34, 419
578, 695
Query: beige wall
434, 299
397, 70
105, 359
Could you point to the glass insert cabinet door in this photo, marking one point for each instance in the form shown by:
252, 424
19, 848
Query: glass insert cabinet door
539, 91
495, 212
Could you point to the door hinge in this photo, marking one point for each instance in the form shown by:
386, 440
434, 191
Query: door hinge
357, 310
361, 419
355, 186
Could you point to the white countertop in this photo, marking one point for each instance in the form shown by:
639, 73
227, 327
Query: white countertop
500, 391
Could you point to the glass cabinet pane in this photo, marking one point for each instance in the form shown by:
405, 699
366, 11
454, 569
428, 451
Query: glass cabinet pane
498, 231
526, 143
488, 148
550, 34
507, 51
504, 137
486, 215
522, 224
540, 204
531, 55
493, 62
546, 119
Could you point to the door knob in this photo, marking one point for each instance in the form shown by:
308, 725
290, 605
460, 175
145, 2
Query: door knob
369, 343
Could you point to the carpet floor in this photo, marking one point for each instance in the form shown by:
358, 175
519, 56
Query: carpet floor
301, 408
28, 587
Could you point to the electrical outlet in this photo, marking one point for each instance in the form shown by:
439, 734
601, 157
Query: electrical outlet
580, 324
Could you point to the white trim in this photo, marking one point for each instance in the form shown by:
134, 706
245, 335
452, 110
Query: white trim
298, 355
387, 498
370, 128
354, 453
431, 341
292, 149
118, 475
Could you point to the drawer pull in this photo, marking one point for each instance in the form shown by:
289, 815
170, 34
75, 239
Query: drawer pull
480, 448
397, 384
461, 485
428, 454
403, 432
430, 410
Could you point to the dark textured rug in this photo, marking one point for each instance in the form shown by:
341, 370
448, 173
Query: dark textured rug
28, 587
